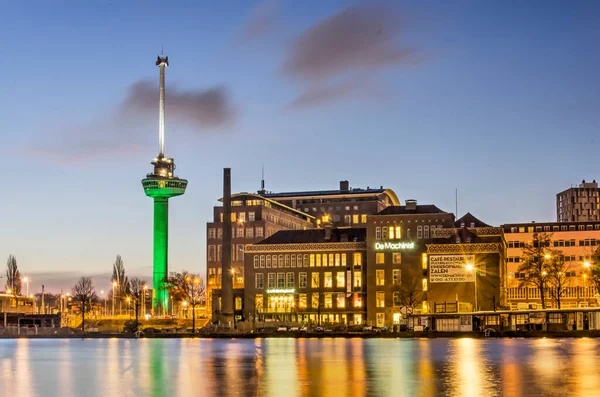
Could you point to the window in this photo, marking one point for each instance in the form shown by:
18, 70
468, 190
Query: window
211, 233
251, 216
259, 231
347, 219
249, 232
426, 232
280, 260
238, 303
340, 301
318, 257
240, 252
271, 280
258, 302
396, 298
555, 318
355, 219
380, 258
315, 300
384, 232
327, 280
357, 279
293, 261
220, 232
379, 277
302, 301
398, 232
357, 259
268, 261
259, 281
274, 260
287, 261
262, 261
289, 280
330, 259
343, 260
233, 215
377, 233
363, 218
219, 248
315, 281
256, 262
396, 258
302, 280
328, 304
407, 233
280, 280
337, 259
324, 260
211, 253
305, 260
380, 299
312, 260
396, 277
341, 279
419, 231
424, 285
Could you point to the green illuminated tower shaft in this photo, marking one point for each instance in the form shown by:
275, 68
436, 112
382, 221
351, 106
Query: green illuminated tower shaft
161, 185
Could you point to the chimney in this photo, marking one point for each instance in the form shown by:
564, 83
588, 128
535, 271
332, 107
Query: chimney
226, 278
411, 205
344, 186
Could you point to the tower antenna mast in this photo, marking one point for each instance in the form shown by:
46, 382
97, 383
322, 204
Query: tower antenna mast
162, 62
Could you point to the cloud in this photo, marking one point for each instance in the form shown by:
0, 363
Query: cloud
356, 42
262, 20
317, 94
122, 130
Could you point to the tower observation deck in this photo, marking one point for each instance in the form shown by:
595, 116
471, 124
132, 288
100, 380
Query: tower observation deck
161, 185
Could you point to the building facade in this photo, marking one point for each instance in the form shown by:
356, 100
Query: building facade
575, 242
466, 267
397, 241
307, 276
344, 207
254, 218
579, 203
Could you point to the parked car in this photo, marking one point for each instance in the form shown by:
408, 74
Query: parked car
319, 329
282, 329
294, 329
304, 328
367, 328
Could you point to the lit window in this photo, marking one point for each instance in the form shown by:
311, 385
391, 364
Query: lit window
355, 219
343, 260
341, 279
233, 215
357, 279
318, 260
242, 217
312, 260
357, 259
315, 281
396, 276
363, 218
327, 280
251, 216
258, 302
424, 284
302, 301
341, 301
315, 300
398, 232
328, 304
396, 258
324, 260
380, 299
380, 277
380, 258
337, 259
238, 303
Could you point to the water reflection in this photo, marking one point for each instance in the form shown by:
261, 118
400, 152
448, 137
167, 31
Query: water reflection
299, 367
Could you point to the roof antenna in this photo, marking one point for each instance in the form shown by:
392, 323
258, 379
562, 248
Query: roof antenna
262, 181
162, 50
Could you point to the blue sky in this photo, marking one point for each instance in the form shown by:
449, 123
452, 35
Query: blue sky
496, 99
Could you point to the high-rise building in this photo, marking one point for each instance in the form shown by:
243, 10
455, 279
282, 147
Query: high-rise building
161, 185
579, 203
344, 207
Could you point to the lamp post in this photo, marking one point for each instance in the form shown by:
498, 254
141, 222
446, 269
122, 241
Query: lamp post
471, 268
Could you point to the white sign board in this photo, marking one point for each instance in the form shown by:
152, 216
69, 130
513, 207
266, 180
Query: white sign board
450, 269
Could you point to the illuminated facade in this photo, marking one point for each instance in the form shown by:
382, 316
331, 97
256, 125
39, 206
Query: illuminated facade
579, 203
307, 276
254, 218
575, 240
161, 185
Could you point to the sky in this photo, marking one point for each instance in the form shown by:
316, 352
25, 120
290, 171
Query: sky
496, 99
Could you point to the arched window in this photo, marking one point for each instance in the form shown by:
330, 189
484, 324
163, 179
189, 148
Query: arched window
256, 261
305, 260
280, 260
398, 232
385, 232
426, 231
419, 231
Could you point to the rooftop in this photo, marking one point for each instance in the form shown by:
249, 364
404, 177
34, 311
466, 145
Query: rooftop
316, 236
406, 210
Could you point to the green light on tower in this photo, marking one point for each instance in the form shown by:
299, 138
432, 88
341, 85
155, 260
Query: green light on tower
161, 185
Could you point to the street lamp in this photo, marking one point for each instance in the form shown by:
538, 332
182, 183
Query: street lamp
471, 268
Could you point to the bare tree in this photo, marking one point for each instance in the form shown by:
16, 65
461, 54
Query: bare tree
137, 287
122, 289
557, 278
190, 288
13, 276
84, 294
535, 265
410, 294
595, 269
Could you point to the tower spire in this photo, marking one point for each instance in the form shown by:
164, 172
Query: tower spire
162, 62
